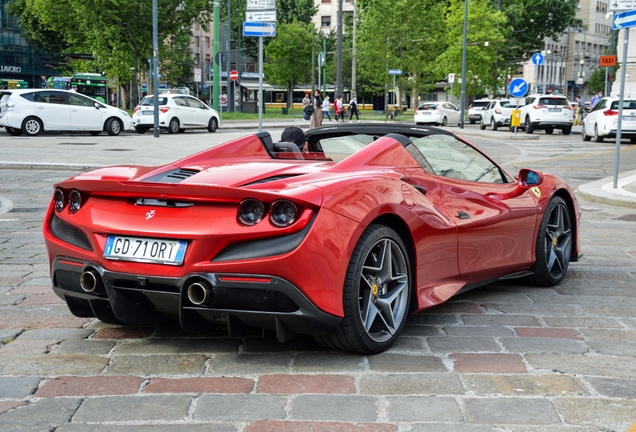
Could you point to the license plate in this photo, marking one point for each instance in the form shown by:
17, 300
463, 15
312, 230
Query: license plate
147, 112
554, 109
629, 118
145, 250
426, 113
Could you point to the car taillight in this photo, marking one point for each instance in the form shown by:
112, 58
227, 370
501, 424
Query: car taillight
498, 111
539, 106
164, 109
610, 113
137, 108
568, 107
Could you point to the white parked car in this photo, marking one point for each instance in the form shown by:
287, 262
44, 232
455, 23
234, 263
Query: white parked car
497, 113
33, 111
547, 112
438, 113
476, 109
177, 112
602, 121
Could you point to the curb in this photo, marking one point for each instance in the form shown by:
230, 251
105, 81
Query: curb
602, 191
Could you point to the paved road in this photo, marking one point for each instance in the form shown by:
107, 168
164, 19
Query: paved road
506, 357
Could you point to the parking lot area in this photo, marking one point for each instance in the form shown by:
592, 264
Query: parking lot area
504, 357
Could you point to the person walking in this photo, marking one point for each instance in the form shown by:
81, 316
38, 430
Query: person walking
325, 108
596, 98
306, 102
339, 108
316, 114
353, 109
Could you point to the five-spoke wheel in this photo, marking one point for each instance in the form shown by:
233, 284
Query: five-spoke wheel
376, 294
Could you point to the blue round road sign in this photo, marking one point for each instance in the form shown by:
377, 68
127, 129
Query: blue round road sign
518, 87
537, 59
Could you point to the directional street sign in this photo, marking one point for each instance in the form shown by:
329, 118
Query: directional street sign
537, 59
261, 4
259, 29
518, 87
395, 71
624, 20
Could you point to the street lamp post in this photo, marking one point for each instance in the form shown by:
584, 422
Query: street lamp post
462, 102
155, 61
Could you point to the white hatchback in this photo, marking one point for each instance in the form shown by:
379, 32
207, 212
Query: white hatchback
177, 112
602, 121
439, 113
33, 111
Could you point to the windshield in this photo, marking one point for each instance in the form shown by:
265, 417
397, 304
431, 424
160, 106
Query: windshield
553, 101
626, 105
427, 107
150, 101
479, 104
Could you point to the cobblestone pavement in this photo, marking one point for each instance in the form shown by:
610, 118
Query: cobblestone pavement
506, 357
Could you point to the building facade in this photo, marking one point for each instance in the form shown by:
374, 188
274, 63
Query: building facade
17, 59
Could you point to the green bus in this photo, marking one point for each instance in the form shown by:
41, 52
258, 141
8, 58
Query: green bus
13, 84
91, 84
57, 82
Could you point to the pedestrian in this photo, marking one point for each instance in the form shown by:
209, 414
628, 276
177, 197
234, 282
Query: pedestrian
596, 98
325, 109
306, 102
339, 107
353, 109
315, 108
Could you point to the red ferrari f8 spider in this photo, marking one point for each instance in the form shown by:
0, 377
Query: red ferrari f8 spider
341, 241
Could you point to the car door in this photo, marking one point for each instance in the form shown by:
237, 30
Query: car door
182, 111
200, 112
453, 113
495, 227
487, 114
84, 115
595, 117
53, 109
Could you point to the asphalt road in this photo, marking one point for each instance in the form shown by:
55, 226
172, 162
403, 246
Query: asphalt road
505, 357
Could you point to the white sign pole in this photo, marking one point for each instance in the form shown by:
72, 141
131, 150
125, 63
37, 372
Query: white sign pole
261, 103
620, 108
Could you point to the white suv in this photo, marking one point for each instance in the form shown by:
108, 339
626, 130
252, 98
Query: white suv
177, 112
498, 113
547, 112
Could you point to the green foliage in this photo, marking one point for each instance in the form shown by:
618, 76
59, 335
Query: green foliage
289, 56
485, 24
117, 33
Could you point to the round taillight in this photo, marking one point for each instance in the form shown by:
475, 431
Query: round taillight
283, 213
251, 211
75, 201
59, 199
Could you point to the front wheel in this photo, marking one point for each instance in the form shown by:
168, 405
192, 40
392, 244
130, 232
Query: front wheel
529, 127
113, 127
213, 125
554, 245
173, 127
376, 294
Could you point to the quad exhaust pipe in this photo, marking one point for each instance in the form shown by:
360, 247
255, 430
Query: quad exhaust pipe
200, 293
91, 282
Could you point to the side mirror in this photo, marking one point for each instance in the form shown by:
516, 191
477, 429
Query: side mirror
526, 179
96, 105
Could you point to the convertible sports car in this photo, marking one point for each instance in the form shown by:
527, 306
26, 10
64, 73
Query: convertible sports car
341, 241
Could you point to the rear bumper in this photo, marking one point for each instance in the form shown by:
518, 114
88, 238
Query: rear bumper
240, 301
552, 124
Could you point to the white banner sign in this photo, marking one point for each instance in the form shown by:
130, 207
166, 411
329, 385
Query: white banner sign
197, 75
261, 4
620, 5
260, 16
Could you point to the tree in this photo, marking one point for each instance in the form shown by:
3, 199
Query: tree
486, 37
288, 56
116, 33
400, 34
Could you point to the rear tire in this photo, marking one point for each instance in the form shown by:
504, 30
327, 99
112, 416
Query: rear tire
584, 135
528, 126
493, 124
32, 126
376, 294
444, 121
113, 127
566, 131
632, 140
13, 131
140, 130
597, 137
482, 126
549, 131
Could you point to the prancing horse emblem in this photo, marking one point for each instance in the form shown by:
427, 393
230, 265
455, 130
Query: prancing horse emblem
150, 214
